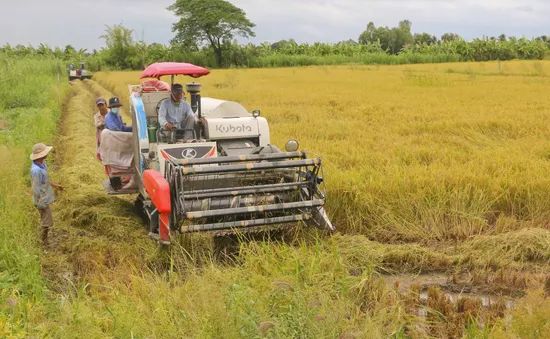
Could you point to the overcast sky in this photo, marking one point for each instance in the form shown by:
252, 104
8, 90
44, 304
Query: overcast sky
81, 22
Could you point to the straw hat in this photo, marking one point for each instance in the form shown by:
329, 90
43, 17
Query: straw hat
39, 151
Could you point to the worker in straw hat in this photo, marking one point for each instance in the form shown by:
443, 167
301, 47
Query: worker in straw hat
42, 187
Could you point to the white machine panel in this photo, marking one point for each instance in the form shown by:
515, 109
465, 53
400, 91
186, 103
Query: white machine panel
151, 100
231, 128
264, 131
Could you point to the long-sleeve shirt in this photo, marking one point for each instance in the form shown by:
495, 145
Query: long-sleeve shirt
113, 122
99, 122
174, 114
41, 188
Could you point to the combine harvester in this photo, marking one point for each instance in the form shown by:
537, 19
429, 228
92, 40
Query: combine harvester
78, 73
228, 178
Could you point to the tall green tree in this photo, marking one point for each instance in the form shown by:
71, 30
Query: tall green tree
122, 50
391, 39
447, 37
403, 36
424, 38
209, 22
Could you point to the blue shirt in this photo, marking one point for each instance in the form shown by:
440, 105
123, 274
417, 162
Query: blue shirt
41, 189
174, 113
113, 122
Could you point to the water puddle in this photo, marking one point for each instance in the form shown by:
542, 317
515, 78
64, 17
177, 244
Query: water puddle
404, 282
452, 292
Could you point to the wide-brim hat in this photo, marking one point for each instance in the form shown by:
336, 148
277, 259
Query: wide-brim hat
114, 102
40, 151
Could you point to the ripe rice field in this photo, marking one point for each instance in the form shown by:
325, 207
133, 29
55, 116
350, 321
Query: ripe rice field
423, 153
437, 184
429, 168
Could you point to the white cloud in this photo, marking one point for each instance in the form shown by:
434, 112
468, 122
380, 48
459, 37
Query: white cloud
81, 22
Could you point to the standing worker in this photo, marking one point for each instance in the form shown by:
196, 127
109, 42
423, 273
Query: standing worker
113, 120
42, 187
99, 121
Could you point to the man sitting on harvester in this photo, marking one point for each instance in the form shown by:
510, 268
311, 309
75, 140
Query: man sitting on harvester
116, 150
113, 120
176, 113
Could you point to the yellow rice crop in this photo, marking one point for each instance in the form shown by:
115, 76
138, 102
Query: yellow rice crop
411, 153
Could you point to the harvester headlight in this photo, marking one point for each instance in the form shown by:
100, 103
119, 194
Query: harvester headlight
291, 145
256, 113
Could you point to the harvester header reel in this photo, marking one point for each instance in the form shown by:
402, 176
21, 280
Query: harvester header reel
213, 194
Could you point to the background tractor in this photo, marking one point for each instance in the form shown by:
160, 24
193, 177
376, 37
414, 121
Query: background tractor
78, 73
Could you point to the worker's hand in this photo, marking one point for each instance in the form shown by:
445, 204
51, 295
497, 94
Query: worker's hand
169, 126
202, 121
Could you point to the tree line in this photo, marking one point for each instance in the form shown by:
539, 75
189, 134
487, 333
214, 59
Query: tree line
205, 35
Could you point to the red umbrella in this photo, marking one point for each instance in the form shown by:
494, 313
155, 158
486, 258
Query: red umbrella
159, 69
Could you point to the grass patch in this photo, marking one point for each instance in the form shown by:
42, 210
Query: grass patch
31, 119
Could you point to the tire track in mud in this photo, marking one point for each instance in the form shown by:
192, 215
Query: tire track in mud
96, 237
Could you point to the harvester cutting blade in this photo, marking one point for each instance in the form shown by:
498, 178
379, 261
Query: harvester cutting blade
246, 192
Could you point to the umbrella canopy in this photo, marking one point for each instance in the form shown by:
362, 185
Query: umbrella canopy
159, 69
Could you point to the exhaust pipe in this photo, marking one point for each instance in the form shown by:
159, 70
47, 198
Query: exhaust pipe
194, 89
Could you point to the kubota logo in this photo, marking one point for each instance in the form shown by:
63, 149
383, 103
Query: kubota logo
233, 129
189, 153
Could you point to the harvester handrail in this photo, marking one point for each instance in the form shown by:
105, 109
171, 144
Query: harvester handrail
250, 166
243, 190
245, 223
255, 209
239, 158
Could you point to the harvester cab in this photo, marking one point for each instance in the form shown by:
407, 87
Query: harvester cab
229, 177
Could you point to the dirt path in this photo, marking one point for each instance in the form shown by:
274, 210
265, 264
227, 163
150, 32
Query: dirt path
96, 237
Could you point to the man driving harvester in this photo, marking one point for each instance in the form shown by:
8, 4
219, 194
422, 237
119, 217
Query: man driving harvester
176, 114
